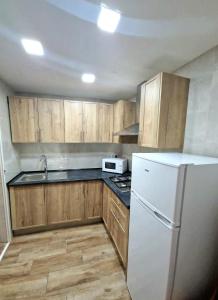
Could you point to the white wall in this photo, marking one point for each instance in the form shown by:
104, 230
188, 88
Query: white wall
201, 135
10, 155
65, 156
9, 163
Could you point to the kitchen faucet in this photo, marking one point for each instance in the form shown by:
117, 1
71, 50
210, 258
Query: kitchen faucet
44, 159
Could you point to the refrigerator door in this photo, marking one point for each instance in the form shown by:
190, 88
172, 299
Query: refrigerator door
152, 253
160, 185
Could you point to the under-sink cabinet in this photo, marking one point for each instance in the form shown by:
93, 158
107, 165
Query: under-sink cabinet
51, 204
28, 207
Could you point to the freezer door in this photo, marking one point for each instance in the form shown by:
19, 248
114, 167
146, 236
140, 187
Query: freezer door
152, 253
160, 185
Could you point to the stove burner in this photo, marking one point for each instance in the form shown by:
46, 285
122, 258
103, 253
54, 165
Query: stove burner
122, 182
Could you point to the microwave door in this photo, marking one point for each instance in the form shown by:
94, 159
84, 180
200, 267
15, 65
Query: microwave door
110, 166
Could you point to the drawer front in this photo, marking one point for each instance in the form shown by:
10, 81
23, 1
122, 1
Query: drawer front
159, 185
120, 216
119, 237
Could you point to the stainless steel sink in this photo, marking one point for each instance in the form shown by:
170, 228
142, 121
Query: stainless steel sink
32, 177
41, 176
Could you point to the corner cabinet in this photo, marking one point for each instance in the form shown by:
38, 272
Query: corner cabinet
163, 110
124, 116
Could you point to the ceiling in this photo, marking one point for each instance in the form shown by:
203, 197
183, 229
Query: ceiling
153, 36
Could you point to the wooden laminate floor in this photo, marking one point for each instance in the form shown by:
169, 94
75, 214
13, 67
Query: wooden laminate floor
68, 264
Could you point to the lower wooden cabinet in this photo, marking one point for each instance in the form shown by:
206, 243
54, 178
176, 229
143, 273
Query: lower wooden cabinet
55, 203
65, 202
116, 218
28, 207
106, 204
93, 199
39, 205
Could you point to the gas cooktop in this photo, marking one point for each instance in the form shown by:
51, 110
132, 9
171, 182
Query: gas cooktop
122, 182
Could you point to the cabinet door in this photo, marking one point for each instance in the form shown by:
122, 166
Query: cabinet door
129, 113
64, 202
90, 122
27, 206
105, 113
106, 204
24, 119
151, 105
119, 237
141, 114
118, 118
51, 120
93, 199
73, 121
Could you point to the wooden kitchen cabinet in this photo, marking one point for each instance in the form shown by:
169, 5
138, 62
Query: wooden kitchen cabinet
27, 206
90, 122
64, 202
51, 120
73, 121
163, 109
124, 116
60, 121
116, 219
24, 119
105, 123
93, 199
118, 224
106, 205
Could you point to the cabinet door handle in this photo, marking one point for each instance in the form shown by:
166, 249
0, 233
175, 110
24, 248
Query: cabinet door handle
147, 170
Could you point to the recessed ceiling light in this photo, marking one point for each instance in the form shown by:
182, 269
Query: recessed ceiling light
88, 78
108, 19
33, 47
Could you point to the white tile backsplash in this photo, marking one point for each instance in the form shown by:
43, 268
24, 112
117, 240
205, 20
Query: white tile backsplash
61, 161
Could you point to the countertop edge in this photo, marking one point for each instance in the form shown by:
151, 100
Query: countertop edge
103, 176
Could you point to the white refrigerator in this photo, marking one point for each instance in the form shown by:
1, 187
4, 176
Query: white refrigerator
173, 226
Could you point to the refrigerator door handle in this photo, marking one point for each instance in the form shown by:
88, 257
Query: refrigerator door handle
162, 218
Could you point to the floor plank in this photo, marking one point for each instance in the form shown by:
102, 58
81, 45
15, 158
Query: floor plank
67, 264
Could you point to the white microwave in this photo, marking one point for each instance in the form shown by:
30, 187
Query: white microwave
114, 165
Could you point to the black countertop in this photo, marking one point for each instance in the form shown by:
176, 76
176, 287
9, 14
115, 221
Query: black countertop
79, 175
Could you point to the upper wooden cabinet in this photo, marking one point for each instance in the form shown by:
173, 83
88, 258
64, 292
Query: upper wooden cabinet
73, 121
90, 122
58, 121
105, 123
24, 119
124, 116
163, 111
51, 121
